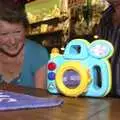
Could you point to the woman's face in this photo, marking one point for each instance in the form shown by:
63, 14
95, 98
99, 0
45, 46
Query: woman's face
12, 36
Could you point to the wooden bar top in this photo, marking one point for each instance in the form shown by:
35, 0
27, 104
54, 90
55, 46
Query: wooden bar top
79, 108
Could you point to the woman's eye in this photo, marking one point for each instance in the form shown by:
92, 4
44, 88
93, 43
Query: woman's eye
11, 33
3, 34
17, 31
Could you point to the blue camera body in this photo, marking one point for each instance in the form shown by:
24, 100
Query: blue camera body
83, 69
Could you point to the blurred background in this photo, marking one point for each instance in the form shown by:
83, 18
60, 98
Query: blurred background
53, 23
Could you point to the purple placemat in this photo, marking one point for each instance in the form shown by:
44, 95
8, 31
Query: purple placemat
14, 101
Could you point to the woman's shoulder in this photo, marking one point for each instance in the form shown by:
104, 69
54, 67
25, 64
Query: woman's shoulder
35, 53
34, 46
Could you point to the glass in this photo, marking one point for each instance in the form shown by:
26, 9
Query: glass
71, 79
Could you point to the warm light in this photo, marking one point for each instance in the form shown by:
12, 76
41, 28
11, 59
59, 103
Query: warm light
95, 36
63, 48
51, 66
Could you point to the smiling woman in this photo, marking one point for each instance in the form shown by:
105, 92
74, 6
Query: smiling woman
22, 62
11, 38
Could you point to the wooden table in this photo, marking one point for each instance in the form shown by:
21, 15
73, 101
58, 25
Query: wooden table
80, 108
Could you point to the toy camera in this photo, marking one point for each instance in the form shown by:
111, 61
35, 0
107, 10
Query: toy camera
83, 69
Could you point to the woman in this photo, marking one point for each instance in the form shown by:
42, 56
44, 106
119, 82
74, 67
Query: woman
109, 29
22, 62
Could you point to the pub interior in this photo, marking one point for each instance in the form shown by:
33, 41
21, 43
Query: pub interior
57, 24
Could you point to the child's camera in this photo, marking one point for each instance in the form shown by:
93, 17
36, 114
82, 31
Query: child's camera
83, 69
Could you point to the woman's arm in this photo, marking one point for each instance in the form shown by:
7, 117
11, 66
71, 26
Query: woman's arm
41, 77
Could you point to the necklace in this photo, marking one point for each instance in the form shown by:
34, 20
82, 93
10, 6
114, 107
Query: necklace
10, 68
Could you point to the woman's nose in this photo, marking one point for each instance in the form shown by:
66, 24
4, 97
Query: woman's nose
12, 40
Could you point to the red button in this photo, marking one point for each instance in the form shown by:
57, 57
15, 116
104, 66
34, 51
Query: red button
51, 66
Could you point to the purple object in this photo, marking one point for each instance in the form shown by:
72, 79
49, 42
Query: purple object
71, 79
14, 101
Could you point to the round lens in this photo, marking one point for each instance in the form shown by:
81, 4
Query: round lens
71, 78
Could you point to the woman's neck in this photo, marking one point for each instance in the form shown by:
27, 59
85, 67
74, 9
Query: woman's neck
5, 59
10, 67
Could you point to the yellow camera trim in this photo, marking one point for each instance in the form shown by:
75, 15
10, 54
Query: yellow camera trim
84, 78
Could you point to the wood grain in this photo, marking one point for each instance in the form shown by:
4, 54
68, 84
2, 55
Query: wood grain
80, 108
